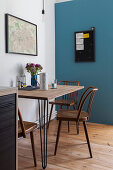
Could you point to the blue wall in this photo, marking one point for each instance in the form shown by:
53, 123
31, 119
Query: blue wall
80, 15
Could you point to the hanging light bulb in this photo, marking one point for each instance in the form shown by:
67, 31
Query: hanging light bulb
43, 11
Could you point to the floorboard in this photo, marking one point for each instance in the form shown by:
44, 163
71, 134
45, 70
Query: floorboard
72, 151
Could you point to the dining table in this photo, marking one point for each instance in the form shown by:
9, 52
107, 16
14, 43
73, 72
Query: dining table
43, 97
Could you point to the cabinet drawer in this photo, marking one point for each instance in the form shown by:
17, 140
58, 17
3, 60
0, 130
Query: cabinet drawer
7, 100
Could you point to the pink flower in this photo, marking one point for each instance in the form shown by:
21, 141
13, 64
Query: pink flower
37, 65
32, 69
27, 65
32, 65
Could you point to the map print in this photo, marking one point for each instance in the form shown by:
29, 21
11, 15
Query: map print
21, 36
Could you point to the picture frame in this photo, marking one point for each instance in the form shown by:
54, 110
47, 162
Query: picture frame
20, 35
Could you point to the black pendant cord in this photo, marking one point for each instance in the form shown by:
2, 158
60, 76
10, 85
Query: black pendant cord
43, 11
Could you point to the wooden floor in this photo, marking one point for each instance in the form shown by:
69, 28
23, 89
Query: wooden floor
72, 151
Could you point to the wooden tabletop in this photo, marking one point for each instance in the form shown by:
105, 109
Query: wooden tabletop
50, 93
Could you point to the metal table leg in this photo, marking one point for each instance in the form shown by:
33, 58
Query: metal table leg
43, 123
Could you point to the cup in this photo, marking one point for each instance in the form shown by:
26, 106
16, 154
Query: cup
54, 84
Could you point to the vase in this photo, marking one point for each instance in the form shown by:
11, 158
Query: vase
34, 80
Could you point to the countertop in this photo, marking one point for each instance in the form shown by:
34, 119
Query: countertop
8, 90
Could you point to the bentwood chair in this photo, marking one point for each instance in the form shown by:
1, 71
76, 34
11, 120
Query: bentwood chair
25, 128
78, 115
69, 100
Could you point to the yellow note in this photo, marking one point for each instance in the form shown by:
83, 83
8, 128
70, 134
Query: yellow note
86, 35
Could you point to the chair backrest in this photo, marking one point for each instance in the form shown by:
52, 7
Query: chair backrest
21, 123
89, 93
71, 96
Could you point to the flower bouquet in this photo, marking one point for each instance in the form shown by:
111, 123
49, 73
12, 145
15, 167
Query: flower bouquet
33, 69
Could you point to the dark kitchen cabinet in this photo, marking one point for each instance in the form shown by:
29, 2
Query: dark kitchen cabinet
8, 132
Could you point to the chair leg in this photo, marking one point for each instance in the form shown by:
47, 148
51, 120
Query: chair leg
77, 124
68, 127
50, 115
74, 107
68, 107
77, 128
58, 135
33, 148
87, 138
61, 107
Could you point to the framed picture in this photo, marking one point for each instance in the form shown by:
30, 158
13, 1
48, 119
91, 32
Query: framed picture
21, 36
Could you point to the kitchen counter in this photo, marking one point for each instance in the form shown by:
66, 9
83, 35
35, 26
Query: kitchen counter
8, 90
9, 128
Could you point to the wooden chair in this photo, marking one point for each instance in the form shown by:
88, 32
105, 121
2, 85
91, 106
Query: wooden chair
78, 115
23, 129
66, 100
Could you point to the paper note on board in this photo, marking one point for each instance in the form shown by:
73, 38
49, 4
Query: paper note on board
79, 35
86, 35
79, 41
79, 47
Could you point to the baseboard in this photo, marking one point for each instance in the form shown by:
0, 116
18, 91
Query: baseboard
54, 115
60, 1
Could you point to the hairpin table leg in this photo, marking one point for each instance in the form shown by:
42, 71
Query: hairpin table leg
43, 122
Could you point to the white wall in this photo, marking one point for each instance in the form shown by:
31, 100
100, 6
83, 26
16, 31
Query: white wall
10, 64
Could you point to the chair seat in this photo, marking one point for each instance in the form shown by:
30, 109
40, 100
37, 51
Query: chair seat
63, 102
71, 115
29, 126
